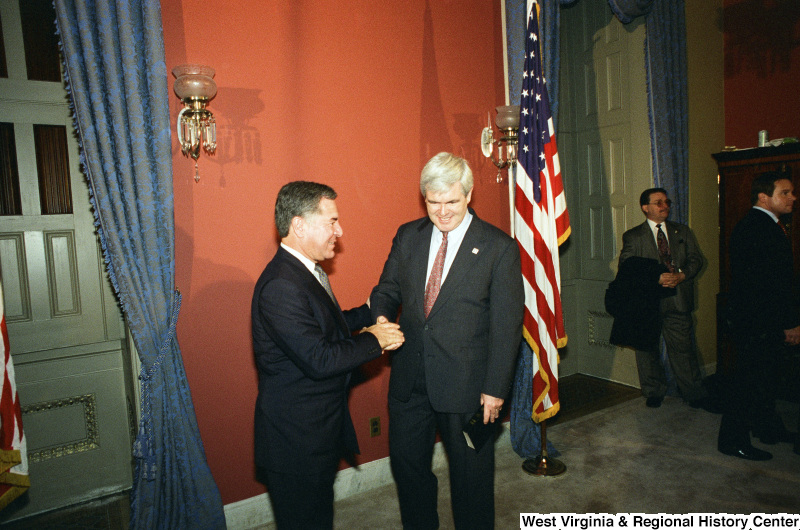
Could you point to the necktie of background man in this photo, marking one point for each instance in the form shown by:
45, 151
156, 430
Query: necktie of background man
663, 249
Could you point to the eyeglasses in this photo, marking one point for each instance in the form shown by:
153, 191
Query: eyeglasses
661, 202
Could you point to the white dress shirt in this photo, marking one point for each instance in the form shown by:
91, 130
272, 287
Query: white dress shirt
654, 229
454, 239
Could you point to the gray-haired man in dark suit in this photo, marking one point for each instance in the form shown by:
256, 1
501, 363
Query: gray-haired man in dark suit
459, 282
305, 352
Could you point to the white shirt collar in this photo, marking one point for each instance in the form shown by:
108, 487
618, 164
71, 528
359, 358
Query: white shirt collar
310, 265
454, 239
774, 217
654, 230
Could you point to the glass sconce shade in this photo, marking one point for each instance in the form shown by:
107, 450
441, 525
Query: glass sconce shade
507, 117
194, 82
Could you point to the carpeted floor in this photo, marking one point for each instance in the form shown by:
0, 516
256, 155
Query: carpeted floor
623, 459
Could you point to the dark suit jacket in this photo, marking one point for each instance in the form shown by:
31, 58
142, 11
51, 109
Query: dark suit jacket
634, 300
305, 353
470, 341
639, 241
762, 296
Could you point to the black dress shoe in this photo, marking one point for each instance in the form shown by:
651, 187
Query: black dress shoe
654, 402
746, 452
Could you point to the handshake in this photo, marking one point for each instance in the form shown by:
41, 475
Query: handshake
388, 333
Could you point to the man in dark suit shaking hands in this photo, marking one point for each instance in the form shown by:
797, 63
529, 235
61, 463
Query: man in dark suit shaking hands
762, 315
674, 245
305, 351
459, 283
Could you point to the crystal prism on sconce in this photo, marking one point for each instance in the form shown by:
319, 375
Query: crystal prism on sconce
507, 121
195, 86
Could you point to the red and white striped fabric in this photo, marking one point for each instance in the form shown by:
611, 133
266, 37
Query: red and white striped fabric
14, 479
541, 224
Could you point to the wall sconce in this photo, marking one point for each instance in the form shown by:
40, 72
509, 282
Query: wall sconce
507, 121
195, 85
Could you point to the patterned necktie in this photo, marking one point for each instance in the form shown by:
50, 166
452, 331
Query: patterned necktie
435, 279
323, 279
663, 249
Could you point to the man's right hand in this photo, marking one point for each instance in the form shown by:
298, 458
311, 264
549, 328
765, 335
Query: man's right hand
388, 334
670, 279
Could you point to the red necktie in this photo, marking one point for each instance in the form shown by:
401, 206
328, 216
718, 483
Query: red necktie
435, 279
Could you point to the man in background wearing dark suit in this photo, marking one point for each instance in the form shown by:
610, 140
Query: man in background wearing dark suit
459, 282
763, 316
675, 247
305, 352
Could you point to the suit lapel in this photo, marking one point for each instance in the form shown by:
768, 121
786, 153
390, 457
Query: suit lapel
419, 267
675, 244
649, 241
311, 284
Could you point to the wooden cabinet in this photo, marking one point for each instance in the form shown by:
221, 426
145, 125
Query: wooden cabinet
736, 172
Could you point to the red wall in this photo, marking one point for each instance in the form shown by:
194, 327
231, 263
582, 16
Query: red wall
357, 94
762, 70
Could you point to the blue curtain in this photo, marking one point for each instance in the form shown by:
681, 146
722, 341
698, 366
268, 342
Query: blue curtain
117, 80
627, 10
665, 60
668, 103
515, 47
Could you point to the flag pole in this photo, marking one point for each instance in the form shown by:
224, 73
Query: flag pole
542, 465
505, 47
512, 182
510, 170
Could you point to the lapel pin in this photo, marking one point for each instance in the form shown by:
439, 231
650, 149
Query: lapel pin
474, 250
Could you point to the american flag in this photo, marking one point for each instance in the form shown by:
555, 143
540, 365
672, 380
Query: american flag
541, 224
14, 478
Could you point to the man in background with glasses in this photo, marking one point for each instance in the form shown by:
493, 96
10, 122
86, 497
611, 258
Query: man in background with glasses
674, 247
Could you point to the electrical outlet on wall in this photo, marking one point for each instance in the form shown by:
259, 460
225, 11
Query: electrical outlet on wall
374, 427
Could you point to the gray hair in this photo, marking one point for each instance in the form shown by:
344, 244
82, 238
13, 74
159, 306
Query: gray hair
444, 170
299, 199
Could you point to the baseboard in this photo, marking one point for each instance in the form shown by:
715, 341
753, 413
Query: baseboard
257, 511
249, 513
